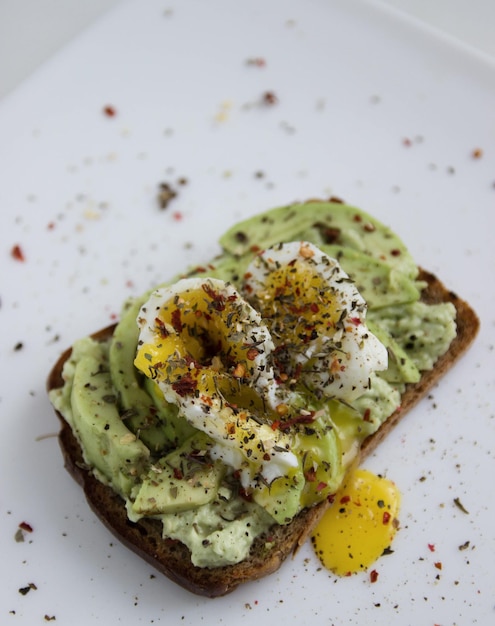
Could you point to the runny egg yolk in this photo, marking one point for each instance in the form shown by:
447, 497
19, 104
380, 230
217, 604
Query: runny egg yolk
360, 525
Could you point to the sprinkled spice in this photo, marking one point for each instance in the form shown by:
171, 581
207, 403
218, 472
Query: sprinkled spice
373, 576
165, 195
460, 506
25, 590
18, 346
256, 62
109, 111
269, 98
477, 153
17, 253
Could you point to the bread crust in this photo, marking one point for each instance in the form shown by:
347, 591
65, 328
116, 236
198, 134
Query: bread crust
172, 558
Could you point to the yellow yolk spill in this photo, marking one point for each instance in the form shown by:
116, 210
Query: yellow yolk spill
360, 525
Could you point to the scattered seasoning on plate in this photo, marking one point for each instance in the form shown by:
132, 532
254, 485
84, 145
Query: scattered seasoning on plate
477, 153
460, 506
25, 590
18, 346
109, 111
256, 62
269, 98
165, 194
465, 545
373, 576
17, 253
49, 618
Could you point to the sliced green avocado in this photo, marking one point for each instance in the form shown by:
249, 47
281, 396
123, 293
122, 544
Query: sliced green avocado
321, 223
108, 445
184, 479
378, 282
401, 368
140, 413
282, 498
321, 452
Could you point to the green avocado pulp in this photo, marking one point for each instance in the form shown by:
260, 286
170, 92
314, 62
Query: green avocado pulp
141, 445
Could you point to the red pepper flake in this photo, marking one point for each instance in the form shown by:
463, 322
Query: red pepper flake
17, 253
367, 415
25, 526
162, 329
109, 111
178, 216
178, 474
310, 475
356, 321
431, 547
269, 98
438, 565
176, 320
252, 353
407, 142
345, 499
395, 252
186, 385
373, 576
51, 226
320, 486
386, 518
477, 153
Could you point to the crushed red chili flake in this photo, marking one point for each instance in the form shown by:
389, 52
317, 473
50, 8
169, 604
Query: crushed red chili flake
438, 565
25, 526
176, 320
406, 142
252, 353
367, 415
373, 576
269, 98
386, 518
431, 547
17, 253
185, 385
477, 153
109, 111
178, 216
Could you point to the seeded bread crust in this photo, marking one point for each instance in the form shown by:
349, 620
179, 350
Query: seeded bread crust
172, 558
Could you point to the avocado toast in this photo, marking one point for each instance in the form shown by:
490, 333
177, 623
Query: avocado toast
394, 289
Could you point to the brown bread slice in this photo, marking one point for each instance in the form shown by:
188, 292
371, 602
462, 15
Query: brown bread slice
172, 557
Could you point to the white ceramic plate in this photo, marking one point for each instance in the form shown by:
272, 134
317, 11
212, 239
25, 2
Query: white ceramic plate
368, 107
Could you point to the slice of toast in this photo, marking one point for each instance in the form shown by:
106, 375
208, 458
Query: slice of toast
172, 558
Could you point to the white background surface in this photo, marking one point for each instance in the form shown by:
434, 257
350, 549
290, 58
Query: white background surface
33, 30
372, 107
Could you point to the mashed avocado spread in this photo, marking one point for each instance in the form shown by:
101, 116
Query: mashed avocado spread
163, 467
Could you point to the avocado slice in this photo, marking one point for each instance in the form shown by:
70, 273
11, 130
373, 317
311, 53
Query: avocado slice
108, 444
321, 223
182, 480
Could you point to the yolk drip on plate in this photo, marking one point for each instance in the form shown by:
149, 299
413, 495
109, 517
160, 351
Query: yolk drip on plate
360, 525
